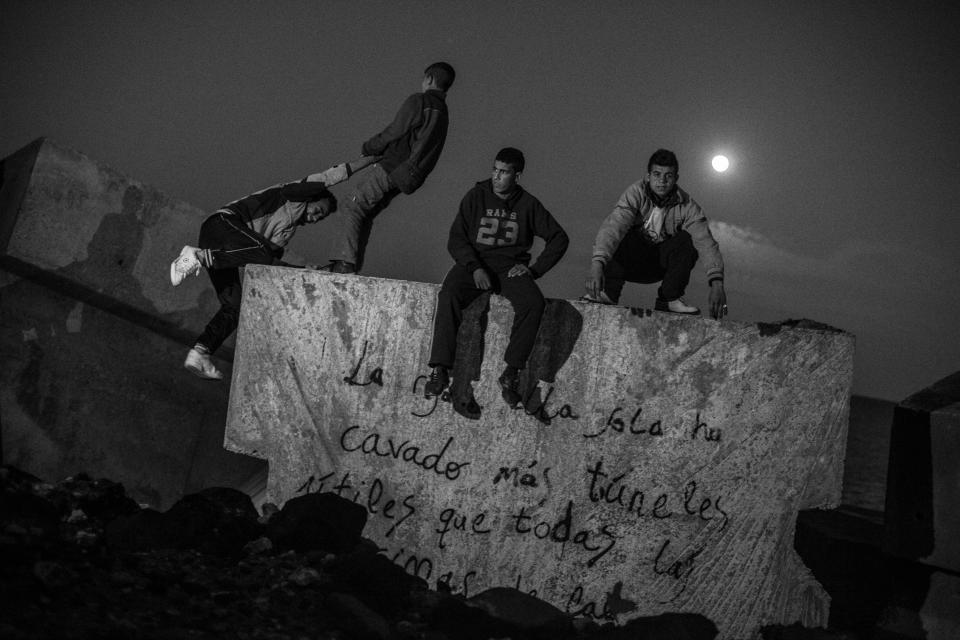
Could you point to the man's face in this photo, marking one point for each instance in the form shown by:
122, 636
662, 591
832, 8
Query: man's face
316, 211
662, 179
504, 178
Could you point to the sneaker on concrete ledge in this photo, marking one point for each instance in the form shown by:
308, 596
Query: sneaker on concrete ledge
186, 264
200, 365
676, 306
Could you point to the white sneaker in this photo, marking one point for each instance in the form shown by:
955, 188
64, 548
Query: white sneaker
676, 306
200, 365
186, 264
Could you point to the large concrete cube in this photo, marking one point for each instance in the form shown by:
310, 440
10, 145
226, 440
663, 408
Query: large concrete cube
658, 462
92, 335
923, 479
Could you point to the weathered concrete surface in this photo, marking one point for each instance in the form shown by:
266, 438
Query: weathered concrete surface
68, 215
658, 464
923, 477
92, 335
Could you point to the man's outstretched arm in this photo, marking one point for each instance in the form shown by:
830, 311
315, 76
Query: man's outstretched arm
340, 172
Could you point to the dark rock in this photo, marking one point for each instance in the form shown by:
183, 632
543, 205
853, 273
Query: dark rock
218, 521
317, 521
53, 575
799, 632
140, 531
100, 499
667, 626
379, 583
358, 618
522, 610
455, 618
258, 546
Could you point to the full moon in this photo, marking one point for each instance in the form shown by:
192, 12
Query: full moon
720, 163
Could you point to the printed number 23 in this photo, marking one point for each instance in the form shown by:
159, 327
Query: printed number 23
496, 232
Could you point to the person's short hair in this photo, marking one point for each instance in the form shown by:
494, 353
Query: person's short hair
442, 73
664, 158
326, 195
512, 157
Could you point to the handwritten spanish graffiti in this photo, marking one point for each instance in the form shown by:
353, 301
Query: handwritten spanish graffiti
652, 459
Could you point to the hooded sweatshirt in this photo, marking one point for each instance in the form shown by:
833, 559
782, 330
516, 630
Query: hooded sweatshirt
497, 234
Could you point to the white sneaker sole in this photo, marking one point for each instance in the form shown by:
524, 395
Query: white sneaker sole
200, 373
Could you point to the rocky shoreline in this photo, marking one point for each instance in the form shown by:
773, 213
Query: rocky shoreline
80, 559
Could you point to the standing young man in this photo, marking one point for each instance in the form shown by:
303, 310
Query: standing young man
252, 230
490, 239
656, 233
408, 149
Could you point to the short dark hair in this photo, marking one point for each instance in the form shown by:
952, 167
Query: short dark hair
664, 158
442, 73
512, 157
326, 195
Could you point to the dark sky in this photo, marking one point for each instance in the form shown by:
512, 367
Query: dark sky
840, 120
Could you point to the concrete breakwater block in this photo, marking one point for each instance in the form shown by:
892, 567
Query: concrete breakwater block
923, 479
73, 221
658, 462
92, 335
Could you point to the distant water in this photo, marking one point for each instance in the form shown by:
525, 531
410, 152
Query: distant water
868, 451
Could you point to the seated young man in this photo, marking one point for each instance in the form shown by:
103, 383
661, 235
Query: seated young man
656, 233
252, 230
490, 240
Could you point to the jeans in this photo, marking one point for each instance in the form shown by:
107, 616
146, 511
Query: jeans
232, 245
638, 260
371, 196
459, 290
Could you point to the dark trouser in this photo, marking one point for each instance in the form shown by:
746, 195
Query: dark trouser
232, 245
371, 196
637, 260
459, 290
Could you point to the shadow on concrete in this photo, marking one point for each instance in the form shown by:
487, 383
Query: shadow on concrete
559, 331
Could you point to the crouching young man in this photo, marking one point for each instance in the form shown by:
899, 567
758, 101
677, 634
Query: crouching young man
656, 233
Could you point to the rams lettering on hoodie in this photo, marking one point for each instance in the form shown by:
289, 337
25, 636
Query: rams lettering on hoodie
497, 234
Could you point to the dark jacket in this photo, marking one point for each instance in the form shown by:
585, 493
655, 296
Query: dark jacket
411, 144
497, 234
275, 212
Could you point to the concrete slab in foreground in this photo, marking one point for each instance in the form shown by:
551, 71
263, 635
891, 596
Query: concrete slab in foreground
92, 335
923, 481
658, 465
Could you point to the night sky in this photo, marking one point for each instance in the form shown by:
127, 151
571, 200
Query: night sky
841, 121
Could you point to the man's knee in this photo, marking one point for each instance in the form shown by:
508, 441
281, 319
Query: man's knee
530, 301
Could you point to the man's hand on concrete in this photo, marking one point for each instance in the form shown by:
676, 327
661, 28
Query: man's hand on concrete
482, 279
594, 283
717, 300
519, 270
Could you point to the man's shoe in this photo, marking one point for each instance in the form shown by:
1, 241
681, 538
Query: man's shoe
676, 306
339, 266
603, 298
439, 379
186, 264
200, 365
509, 386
